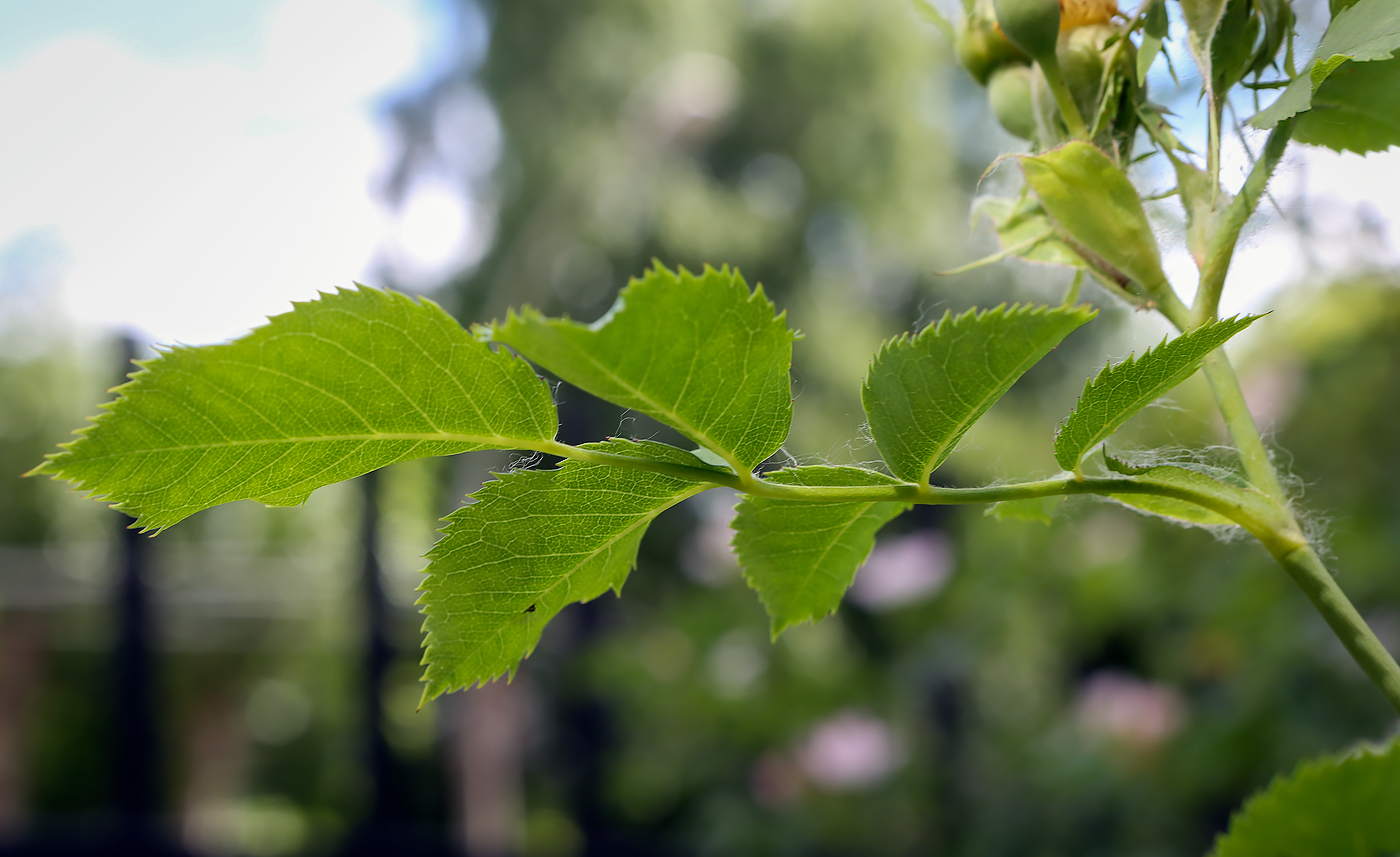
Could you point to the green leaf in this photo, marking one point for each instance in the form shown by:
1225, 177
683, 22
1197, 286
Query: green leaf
924, 392
1178, 511
1173, 509
1154, 31
1365, 32
1368, 30
1123, 389
1247, 40
1232, 47
1336, 806
1202, 21
1024, 229
1295, 98
533, 542
1039, 509
1357, 109
335, 388
801, 556
1213, 485
1202, 17
700, 354
1097, 207
1278, 21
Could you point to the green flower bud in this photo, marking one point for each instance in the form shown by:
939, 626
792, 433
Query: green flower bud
1031, 25
1083, 54
982, 49
1009, 94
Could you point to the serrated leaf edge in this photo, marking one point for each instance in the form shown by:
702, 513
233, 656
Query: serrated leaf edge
490, 332
1298, 777
433, 689
949, 322
53, 463
1131, 362
776, 629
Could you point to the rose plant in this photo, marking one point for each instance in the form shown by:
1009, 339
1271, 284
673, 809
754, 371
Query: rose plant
363, 378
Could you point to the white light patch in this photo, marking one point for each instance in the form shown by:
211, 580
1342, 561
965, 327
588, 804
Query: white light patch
1372, 182
194, 199
437, 231
1352, 204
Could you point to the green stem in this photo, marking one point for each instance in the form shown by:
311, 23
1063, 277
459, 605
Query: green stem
1169, 305
1273, 525
680, 471
1300, 561
1258, 467
1266, 527
1215, 114
1307, 570
1064, 99
1220, 250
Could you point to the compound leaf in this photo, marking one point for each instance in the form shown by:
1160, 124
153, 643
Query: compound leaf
1123, 389
699, 353
801, 556
533, 542
924, 392
1336, 806
1366, 32
1098, 208
339, 386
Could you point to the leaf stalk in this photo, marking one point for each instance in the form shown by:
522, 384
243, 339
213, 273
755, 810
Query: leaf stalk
1229, 397
1064, 99
1275, 530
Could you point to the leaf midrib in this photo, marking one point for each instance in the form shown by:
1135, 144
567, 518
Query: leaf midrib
589, 557
681, 423
447, 437
983, 405
826, 551
1134, 404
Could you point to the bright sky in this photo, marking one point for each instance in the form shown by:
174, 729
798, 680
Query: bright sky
189, 168
195, 166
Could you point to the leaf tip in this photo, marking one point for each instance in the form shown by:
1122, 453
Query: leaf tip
45, 466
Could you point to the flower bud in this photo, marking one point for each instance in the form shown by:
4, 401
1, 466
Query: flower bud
1082, 13
1031, 25
1083, 53
982, 48
1009, 94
